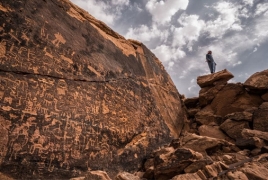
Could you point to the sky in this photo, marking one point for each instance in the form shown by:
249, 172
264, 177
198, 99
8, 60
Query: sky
180, 33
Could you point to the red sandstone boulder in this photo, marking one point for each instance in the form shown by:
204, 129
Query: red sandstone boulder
240, 116
212, 131
205, 117
211, 79
260, 118
202, 143
234, 128
265, 96
101, 175
173, 162
207, 94
234, 98
126, 176
258, 81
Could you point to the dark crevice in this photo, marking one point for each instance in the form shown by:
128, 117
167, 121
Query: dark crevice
71, 79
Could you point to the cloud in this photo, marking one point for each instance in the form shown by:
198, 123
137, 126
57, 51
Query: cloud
189, 32
261, 8
227, 20
145, 34
166, 53
120, 2
255, 49
261, 25
97, 9
248, 2
106, 11
162, 11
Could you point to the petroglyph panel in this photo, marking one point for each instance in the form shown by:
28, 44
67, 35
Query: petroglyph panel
71, 100
63, 122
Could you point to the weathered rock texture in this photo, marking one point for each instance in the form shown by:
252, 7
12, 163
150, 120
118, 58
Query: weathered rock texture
226, 138
76, 96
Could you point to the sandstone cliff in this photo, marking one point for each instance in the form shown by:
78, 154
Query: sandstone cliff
76, 96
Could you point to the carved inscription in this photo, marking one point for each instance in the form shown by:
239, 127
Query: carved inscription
65, 107
55, 120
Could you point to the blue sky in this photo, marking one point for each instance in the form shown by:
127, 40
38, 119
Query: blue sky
180, 32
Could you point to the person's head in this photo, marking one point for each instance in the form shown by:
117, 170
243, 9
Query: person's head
209, 52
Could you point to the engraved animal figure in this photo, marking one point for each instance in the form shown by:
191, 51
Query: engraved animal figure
58, 39
40, 148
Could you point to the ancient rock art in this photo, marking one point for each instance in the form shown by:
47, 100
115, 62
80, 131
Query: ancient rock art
72, 100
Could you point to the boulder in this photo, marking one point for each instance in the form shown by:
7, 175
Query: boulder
234, 98
189, 176
207, 94
255, 171
173, 162
212, 131
192, 112
264, 105
258, 81
234, 128
100, 175
201, 143
240, 116
260, 118
126, 176
209, 80
195, 166
247, 133
213, 170
207, 118
236, 175
250, 143
265, 97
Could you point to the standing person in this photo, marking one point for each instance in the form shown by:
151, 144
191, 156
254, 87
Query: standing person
211, 62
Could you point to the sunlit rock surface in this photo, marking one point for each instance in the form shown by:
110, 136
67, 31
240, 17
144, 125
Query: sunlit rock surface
76, 96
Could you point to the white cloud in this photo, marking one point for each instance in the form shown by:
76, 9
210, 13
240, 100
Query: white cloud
166, 53
248, 2
255, 49
163, 11
261, 26
237, 63
189, 32
120, 2
108, 12
98, 9
228, 19
261, 8
144, 33
170, 64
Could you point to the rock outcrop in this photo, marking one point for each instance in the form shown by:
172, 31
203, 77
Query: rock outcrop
76, 96
231, 144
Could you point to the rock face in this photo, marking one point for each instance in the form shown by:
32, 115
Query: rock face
76, 96
226, 137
